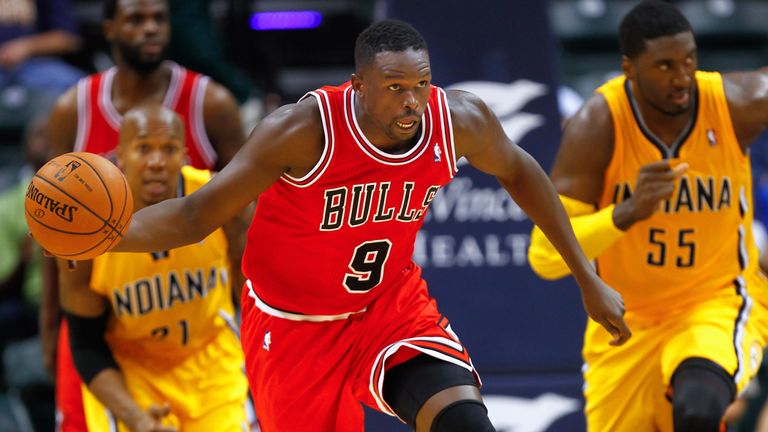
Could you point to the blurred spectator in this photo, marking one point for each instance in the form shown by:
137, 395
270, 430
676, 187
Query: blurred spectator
20, 290
32, 33
20, 277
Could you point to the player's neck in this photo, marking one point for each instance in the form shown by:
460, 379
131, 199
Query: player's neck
667, 127
131, 88
379, 138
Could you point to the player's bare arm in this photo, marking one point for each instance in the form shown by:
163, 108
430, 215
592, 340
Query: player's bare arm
235, 231
747, 94
62, 123
583, 158
81, 303
585, 152
290, 140
222, 123
481, 139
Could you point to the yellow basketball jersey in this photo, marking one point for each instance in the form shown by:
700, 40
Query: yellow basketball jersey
167, 304
700, 241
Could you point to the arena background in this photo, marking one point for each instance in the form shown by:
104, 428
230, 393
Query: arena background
532, 62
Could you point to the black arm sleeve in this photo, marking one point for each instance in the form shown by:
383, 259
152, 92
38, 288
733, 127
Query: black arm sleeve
90, 351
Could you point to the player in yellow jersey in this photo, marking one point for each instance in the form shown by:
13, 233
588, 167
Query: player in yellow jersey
654, 172
152, 334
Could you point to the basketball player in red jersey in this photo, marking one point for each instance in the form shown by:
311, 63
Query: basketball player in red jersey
335, 312
88, 116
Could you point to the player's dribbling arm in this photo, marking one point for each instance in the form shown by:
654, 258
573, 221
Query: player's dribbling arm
87, 314
480, 138
288, 140
222, 123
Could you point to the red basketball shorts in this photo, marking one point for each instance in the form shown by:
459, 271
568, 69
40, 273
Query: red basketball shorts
313, 375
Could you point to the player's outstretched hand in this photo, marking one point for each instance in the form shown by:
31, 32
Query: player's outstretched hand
606, 307
153, 421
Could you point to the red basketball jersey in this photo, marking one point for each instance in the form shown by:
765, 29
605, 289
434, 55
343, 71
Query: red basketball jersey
331, 242
98, 122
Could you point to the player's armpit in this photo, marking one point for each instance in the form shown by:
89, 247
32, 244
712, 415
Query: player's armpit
595, 232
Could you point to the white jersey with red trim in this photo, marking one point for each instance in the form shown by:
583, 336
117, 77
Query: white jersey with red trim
331, 242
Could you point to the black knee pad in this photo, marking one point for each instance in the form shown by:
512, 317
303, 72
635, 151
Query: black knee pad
409, 385
701, 392
463, 416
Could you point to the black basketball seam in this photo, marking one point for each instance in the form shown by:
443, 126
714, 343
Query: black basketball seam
125, 204
126, 192
92, 247
34, 218
98, 174
105, 221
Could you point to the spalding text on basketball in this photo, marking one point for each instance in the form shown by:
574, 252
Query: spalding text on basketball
64, 211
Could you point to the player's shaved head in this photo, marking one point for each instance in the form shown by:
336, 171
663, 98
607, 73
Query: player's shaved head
149, 120
151, 153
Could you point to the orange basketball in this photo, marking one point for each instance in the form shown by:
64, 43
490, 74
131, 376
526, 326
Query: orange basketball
78, 205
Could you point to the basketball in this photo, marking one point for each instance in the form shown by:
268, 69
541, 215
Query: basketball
78, 205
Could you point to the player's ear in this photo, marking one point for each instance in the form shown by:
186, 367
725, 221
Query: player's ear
108, 29
357, 84
627, 67
119, 158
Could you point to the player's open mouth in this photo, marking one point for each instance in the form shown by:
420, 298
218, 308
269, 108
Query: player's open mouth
681, 98
155, 186
405, 125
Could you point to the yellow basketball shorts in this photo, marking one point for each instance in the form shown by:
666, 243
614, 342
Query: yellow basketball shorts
206, 392
626, 387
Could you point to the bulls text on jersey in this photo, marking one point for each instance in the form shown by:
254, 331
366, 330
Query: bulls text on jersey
370, 201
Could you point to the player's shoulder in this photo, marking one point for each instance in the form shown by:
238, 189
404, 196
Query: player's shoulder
468, 111
67, 101
746, 86
218, 97
589, 132
595, 111
299, 117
